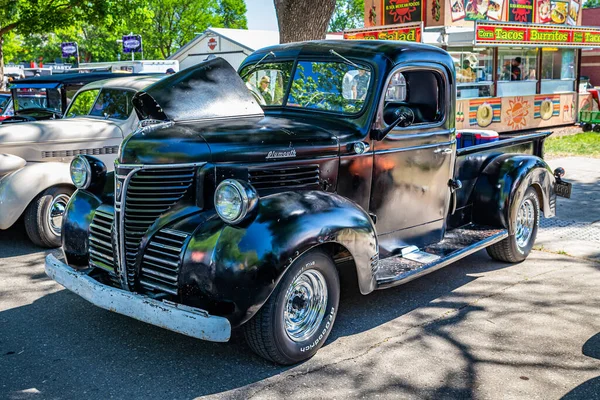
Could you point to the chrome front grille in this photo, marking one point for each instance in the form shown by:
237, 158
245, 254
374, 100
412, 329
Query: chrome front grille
299, 177
100, 243
149, 193
162, 261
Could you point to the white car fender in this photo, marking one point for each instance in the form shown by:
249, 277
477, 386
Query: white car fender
19, 188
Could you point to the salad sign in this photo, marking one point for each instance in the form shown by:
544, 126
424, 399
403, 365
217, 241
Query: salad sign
405, 32
520, 11
402, 11
503, 34
132, 44
68, 49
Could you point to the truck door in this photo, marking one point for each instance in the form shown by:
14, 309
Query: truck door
413, 164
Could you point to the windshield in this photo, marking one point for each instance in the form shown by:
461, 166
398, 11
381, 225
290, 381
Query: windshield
108, 103
269, 82
37, 98
4, 100
321, 85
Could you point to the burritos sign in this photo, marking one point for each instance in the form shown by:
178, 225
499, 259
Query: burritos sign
132, 44
403, 32
491, 34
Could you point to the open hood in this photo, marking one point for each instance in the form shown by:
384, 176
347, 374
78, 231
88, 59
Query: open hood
209, 90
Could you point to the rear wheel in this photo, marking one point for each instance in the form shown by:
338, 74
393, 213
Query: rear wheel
596, 128
517, 247
587, 127
43, 217
297, 319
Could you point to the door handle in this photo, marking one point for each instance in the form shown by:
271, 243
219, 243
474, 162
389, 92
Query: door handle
446, 150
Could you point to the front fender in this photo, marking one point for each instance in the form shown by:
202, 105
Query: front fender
19, 188
504, 181
241, 265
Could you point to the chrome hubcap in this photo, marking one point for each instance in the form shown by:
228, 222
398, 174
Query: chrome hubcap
525, 222
56, 213
305, 303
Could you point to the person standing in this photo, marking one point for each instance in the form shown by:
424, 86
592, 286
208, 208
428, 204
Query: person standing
264, 89
515, 69
360, 84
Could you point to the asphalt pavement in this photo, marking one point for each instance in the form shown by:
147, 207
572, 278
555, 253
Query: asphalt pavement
476, 329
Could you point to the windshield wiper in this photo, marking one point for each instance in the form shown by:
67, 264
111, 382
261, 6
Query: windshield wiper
255, 66
335, 53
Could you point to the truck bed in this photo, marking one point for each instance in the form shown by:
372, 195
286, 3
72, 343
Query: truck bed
471, 161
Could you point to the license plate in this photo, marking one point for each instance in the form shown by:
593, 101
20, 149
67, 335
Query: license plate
563, 189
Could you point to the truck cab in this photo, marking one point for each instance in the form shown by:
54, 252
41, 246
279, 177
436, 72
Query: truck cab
248, 194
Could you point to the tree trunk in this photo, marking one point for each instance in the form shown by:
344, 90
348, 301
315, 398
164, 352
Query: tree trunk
2, 86
301, 20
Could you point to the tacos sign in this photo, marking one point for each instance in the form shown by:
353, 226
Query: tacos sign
504, 34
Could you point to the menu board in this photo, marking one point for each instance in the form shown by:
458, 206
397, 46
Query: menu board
402, 11
476, 10
520, 11
553, 12
573, 13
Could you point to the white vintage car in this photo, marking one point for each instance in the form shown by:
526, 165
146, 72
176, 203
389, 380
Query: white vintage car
35, 181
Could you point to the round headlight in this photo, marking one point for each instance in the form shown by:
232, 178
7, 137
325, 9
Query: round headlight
81, 172
234, 200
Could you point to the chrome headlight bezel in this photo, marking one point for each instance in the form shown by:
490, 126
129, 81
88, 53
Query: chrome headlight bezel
247, 195
87, 169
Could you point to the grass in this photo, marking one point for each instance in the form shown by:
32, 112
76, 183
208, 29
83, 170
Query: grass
581, 144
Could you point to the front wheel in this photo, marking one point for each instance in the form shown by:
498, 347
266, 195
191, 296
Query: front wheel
517, 247
43, 217
587, 127
297, 319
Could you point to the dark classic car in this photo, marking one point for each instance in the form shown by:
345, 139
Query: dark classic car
45, 97
224, 214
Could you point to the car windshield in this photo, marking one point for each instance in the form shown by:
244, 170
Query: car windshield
37, 98
107, 103
4, 100
321, 85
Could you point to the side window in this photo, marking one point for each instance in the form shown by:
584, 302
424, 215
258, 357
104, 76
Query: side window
113, 103
421, 91
269, 82
82, 103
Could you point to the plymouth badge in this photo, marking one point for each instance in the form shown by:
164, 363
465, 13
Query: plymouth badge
281, 154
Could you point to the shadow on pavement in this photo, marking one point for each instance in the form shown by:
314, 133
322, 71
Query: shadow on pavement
14, 242
589, 389
60, 346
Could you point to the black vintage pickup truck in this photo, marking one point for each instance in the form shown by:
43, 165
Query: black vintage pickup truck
234, 208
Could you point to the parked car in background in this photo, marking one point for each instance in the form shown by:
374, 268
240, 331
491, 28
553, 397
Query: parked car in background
45, 97
226, 214
34, 156
5, 105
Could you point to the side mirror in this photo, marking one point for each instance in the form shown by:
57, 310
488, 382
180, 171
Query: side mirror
404, 117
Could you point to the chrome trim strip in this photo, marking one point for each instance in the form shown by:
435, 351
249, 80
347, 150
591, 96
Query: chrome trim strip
419, 147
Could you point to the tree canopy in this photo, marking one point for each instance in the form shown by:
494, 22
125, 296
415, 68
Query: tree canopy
348, 14
165, 25
591, 4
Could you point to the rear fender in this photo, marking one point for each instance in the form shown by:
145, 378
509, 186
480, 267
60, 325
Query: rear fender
242, 264
504, 181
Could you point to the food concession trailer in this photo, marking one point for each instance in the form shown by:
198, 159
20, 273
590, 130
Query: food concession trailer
517, 61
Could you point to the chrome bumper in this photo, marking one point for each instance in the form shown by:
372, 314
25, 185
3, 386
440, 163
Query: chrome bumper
189, 321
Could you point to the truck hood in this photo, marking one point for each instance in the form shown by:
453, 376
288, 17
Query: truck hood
243, 140
59, 130
209, 90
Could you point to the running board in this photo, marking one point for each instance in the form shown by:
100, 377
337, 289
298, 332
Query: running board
414, 263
